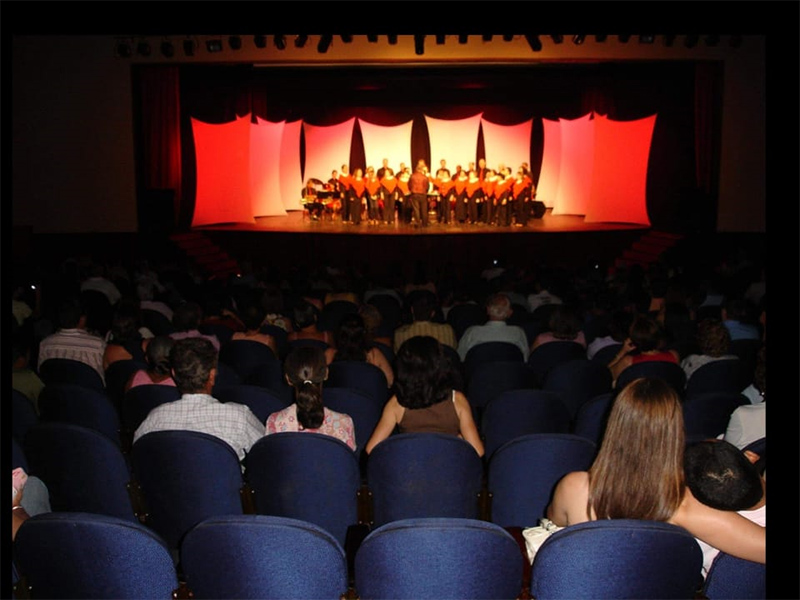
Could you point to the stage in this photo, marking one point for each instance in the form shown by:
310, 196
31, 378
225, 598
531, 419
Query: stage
297, 241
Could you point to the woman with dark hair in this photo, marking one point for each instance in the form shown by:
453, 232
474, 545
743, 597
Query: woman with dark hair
125, 341
351, 342
159, 368
425, 399
564, 325
305, 370
645, 342
305, 317
639, 474
252, 316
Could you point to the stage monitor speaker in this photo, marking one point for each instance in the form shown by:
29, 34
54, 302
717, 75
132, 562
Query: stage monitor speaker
157, 211
538, 209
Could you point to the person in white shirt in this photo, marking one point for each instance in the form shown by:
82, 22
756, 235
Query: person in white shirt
499, 310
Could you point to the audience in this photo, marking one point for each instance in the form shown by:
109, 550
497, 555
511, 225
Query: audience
124, 340
564, 325
23, 378
306, 370
713, 341
639, 474
352, 344
496, 329
748, 423
159, 368
645, 342
252, 317
186, 319
194, 368
425, 399
423, 311
305, 319
72, 340
723, 477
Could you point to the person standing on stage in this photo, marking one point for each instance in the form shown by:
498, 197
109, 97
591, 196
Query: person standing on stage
373, 185
482, 170
335, 187
384, 167
418, 187
490, 200
447, 194
474, 191
358, 192
390, 193
346, 191
405, 196
443, 169
521, 190
460, 187
502, 192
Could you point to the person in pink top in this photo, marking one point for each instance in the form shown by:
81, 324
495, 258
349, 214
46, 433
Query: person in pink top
305, 370
159, 368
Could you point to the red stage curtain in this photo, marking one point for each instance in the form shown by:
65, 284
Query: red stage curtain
507, 144
265, 168
289, 157
547, 188
393, 143
327, 148
575, 174
619, 182
455, 141
222, 154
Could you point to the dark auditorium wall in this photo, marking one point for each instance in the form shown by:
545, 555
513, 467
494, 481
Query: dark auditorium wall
74, 167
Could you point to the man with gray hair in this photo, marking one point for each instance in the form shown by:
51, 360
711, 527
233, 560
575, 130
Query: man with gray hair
499, 310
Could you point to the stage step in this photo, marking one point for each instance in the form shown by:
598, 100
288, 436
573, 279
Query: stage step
216, 263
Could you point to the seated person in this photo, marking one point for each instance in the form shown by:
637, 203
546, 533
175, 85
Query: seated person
159, 369
645, 342
713, 341
305, 318
30, 498
252, 316
425, 399
723, 477
563, 326
306, 370
351, 343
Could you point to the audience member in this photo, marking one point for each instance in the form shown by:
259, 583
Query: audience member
373, 321
186, 320
23, 378
713, 341
273, 304
125, 340
30, 498
72, 340
563, 326
305, 319
306, 370
194, 368
499, 310
252, 317
423, 311
748, 423
645, 342
723, 477
351, 343
736, 317
425, 399
616, 331
159, 369
639, 474
98, 281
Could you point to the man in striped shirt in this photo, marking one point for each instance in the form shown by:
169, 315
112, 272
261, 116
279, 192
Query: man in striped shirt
423, 310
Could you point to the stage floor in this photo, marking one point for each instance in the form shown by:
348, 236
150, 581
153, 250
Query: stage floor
298, 222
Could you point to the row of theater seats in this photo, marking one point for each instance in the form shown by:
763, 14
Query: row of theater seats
80, 555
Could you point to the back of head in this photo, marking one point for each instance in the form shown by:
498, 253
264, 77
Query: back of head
721, 476
646, 333
498, 307
638, 472
187, 316
422, 378
304, 314
351, 338
423, 307
713, 338
564, 323
192, 361
69, 313
306, 369
157, 354
252, 316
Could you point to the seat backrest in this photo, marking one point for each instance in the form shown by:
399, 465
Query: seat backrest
258, 556
84, 470
308, 343
117, 375
577, 381
18, 458
246, 356
730, 577
185, 477
65, 370
725, 375
23, 415
515, 413
618, 558
79, 405
424, 475
279, 334
223, 332
590, 422
361, 376
140, 400
491, 379
364, 411
707, 414
491, 352
390, 308
545, 357
308, 476
262, 401
438, 558
81, 555
523, 473
606, 354
332, 313
670, 372
758, 446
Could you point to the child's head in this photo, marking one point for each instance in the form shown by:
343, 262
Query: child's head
721, 476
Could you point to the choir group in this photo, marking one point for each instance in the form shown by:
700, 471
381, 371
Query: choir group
478, 195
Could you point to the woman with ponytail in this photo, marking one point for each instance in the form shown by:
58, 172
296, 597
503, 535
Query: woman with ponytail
305, 370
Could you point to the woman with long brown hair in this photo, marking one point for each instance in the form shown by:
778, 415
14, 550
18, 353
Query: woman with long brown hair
638, 474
